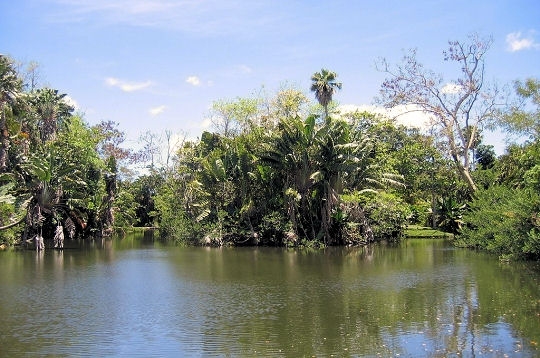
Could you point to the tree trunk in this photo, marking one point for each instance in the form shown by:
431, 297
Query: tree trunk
463, 170
4, 141
108, 215
367, 233
465, 175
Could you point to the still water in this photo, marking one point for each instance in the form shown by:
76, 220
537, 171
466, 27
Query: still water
137, 297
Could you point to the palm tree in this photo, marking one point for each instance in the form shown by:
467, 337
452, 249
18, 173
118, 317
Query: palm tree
324, 85
52, 110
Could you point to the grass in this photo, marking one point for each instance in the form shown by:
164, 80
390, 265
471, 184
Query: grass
424, 232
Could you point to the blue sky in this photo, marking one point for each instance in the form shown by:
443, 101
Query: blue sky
159, 64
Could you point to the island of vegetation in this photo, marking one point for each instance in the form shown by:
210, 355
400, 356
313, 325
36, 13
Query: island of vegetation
282, 170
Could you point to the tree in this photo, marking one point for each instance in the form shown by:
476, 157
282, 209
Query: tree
10, 86
324, 85
52, 178
29, 74
288, 103
231, 117
458, 109
485, 156
151, 149
503, 218
52, 111
111, 139
518, 119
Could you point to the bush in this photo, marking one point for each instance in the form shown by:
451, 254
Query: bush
9, 236
125, 215
176, 227
504, 221
387, 215
419, 213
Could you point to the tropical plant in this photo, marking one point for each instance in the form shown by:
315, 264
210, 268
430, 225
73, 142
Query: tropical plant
324, 85
341, 160
387, 215
288, 153
10, 87
52, 111
316, 163
504, 221
450, 214
523, 118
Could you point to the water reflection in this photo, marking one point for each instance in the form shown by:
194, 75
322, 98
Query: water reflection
136, 296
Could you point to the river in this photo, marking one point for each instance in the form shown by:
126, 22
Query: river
138, 297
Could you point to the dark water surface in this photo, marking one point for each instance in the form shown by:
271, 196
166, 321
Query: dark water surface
136, 297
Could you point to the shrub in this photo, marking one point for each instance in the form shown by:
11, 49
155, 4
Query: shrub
9, 236
387, 215
504, 221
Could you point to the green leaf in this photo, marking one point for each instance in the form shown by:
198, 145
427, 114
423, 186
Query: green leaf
5, 196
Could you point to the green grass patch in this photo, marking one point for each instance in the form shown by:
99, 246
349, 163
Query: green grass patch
424, 231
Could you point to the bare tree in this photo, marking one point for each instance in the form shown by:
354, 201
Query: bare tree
151, 149
458, 109
31, 75
173, 142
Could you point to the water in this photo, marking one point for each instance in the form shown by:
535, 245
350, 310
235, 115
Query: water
137, 297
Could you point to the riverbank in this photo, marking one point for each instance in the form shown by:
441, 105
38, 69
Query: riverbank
417, 231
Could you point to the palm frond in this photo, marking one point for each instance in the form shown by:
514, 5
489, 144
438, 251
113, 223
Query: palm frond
59, 237
70, 227
203, 215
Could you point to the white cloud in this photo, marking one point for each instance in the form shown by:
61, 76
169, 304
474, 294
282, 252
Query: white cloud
516, 41
206, 123
209, 17
193, 80
245, 69
156, 110
127, 86
451, 88
71, 102
409, 116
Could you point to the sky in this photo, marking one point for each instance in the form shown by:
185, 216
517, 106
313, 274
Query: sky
156, 65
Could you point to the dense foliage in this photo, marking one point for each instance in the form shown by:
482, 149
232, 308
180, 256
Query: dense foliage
281, 184
53, 181
281, 169
504, 217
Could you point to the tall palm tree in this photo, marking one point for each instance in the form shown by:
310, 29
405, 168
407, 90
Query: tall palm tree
52, 110
324, 85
